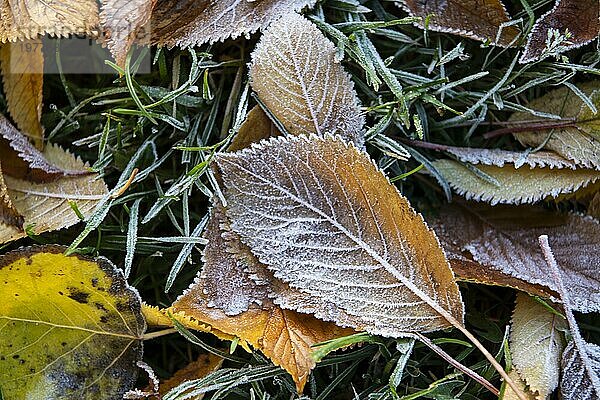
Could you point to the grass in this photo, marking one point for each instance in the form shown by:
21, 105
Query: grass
414, 85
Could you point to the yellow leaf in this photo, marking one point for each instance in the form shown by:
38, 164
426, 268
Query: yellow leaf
28, 19
22, 74
70, 327
508, 394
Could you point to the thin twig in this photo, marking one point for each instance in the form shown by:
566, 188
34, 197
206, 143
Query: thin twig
463, 368
528, 128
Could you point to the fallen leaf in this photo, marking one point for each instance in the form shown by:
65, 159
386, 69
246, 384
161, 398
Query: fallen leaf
580, 372
579, 17
326, 221
480, 20
22, 74
286, 337
45, 206
256, 127
580, 142
125, 23
536, 344
510, 394
519, 178
504, 238
28, 19
204, 365
70, 327
289, 67
192, 23
9, 216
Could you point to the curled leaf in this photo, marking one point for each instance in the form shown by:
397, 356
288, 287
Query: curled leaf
289, 69
326, 221
71, 327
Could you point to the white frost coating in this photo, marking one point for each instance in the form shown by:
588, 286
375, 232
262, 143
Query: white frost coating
499, 158
295, 73
321, 216
505, 238
580, 380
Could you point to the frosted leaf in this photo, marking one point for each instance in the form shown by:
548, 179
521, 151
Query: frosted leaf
580, 372
579, 143
9, 216
579, 17
536, 344
125, 22
475, 19
256, 127
500, 158
295, 73
193, 22
515, 185
504, 238
510, 394
327, 222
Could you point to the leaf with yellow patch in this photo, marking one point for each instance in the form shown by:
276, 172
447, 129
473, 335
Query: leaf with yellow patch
70, 327
28, 19
22, 74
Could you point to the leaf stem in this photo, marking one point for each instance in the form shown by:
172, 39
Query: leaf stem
157, 334
528, 128
463, 368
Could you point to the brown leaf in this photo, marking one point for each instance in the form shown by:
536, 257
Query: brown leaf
256, 127
579, 17
480, 20
504, 238
9, 216
125, 23
370, 256
28, 19
23, 161
204, 365
580, 142
284, 336
193, 22
22, 74
289, 67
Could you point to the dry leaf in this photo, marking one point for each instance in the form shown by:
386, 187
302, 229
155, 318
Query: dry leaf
529, 180
579, 143
28, 19
193, 22
22, 74
125, 23
326, 221
480, 20
580, 378
36, 187
295, 73
579, 17
536, 344
70, 327
230, 301
204, 365
256, 127
504, 238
